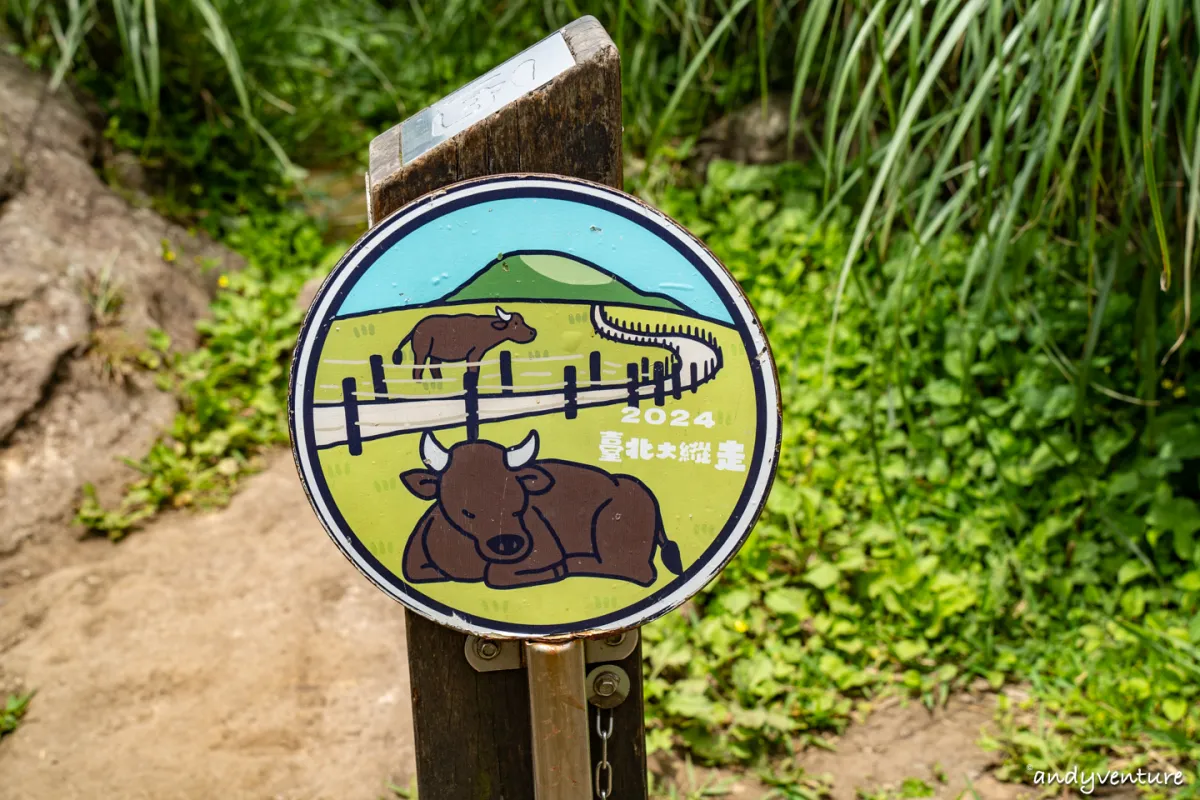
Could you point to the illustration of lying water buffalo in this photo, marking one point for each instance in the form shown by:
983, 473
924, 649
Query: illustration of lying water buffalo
506, 519
461, 337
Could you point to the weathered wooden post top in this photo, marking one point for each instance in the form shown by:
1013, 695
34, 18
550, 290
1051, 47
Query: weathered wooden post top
536, 412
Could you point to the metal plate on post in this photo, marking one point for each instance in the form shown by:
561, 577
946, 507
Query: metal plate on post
454, 113
533, 407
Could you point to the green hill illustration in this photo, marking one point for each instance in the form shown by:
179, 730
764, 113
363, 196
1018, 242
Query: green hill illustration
553, 277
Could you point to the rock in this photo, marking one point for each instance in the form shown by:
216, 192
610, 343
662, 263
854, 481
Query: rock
82, 271
748, 137
308, 292
45, 322
125, 171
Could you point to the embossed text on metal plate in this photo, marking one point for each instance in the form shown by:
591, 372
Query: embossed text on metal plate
454, 113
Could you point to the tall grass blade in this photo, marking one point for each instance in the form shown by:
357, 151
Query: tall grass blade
153, 58
1189, 241
969, 113
893, 38
80, 19
812, 31
849, 62
1064, 102
689, 74
218, 35
760, 25
351, 47
1148, 143
899, 138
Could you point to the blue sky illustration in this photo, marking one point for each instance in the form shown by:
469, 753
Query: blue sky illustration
437, 258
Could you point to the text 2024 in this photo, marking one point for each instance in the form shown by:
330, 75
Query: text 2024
679, 418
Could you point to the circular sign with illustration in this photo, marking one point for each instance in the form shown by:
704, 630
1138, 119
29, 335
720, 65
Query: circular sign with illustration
534, 406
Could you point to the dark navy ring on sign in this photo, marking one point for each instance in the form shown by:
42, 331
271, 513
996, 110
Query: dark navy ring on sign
531, 571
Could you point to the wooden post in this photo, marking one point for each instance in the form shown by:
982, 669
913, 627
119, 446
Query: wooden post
473, 728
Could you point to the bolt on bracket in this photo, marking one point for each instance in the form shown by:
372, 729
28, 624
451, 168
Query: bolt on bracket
493, 655
607, 686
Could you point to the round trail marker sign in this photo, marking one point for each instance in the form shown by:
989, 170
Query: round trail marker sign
530, 406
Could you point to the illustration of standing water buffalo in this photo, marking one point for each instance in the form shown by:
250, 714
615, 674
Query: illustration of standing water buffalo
502, 517
460, 337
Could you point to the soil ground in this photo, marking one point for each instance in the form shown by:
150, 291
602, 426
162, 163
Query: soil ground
237, 654
900, 740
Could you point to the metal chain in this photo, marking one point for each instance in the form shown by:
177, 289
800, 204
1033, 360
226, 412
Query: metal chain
603, 768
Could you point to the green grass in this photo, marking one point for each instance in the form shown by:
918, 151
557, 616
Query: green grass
977, 286
921, 537
13, 711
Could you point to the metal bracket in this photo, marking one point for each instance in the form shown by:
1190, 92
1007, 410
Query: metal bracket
497, 655
493, 655
612, 647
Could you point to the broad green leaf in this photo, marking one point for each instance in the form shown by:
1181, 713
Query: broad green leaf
735, 601
1130, 571
1059, 404
909, 650
1107, 442
944, 393
789, 600
1189, 582
1133, 601
1177, 514
1174, 708
695, 705
823, 575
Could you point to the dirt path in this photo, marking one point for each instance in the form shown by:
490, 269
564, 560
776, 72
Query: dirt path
237, 655
899, 741
903, 740
699, 358
232, 655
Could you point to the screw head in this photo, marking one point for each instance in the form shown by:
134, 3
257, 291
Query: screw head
486, 649
615, 640
606, 684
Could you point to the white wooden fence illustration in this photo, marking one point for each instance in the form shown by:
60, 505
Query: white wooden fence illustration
370, 414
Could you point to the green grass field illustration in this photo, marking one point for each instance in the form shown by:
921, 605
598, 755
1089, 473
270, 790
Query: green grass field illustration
673, 448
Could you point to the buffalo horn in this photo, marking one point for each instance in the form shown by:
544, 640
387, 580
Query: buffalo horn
502, 314
522, 454
433, 453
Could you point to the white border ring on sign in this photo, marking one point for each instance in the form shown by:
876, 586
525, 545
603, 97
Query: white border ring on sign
665, 226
